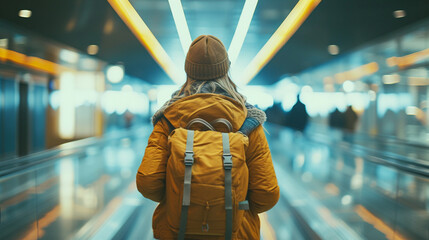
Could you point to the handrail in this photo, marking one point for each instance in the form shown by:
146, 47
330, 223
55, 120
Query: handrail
383, 138
17, 164
408, 164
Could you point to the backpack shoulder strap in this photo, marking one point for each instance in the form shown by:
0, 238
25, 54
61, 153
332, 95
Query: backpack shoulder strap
227, 165
170, 126
189, 161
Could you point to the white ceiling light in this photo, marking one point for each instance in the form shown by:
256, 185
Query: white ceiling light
279, 38
92, 49
139, 28
115, 74
399, 14
333, 49
241, 30
181, 24
25, 13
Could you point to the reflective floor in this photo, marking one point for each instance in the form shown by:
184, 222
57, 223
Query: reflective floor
332, 187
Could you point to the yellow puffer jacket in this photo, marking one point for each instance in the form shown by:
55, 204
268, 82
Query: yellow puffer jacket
263, 191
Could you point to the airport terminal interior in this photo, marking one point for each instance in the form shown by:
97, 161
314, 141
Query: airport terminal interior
344, 85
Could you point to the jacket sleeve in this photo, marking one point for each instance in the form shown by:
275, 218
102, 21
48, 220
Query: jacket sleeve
151, 174
263, 192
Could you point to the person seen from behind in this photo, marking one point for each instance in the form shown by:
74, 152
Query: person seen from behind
200, 208
297, 117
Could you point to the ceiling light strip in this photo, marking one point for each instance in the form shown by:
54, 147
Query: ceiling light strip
35, 63
181, 24
242, 29
289, 26
357, 72
408, 60
139, 28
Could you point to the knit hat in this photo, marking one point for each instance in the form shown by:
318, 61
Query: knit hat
207, 58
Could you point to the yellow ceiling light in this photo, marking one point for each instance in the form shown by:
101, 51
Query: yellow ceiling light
139, 28
357, 73
289, 26
181, 24
35, 63
242, 29
408, 60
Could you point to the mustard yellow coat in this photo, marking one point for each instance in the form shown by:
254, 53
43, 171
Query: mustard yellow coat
263, 191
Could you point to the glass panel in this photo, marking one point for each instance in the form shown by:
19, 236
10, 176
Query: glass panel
373, 200
18, 200
60, 198
412, 218
10, 110
39, 117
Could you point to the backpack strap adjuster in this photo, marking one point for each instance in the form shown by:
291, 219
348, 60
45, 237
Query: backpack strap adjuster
227, 161
189, 158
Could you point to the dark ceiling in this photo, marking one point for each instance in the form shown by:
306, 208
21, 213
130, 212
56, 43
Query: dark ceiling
346, 23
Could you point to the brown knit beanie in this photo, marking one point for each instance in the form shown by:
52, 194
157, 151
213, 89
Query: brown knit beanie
207, 58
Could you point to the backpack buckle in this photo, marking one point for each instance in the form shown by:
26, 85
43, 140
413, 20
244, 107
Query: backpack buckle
227, 161
189, 158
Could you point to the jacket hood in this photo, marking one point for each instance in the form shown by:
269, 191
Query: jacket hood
207, 106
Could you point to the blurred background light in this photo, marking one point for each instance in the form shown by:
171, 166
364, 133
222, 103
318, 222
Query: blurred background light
127, 88
152, 94
54, 100
108, 26
4, 43
348, 86
92, 49
411, 110
164, 93
372, 95
391, 79
399, 14
24, 13
67, 187
284, 88
67, 106
258, 96
346, 200
306, 94
69, 56
333, 49
288, 101
115, 74
306, 89
88, 64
